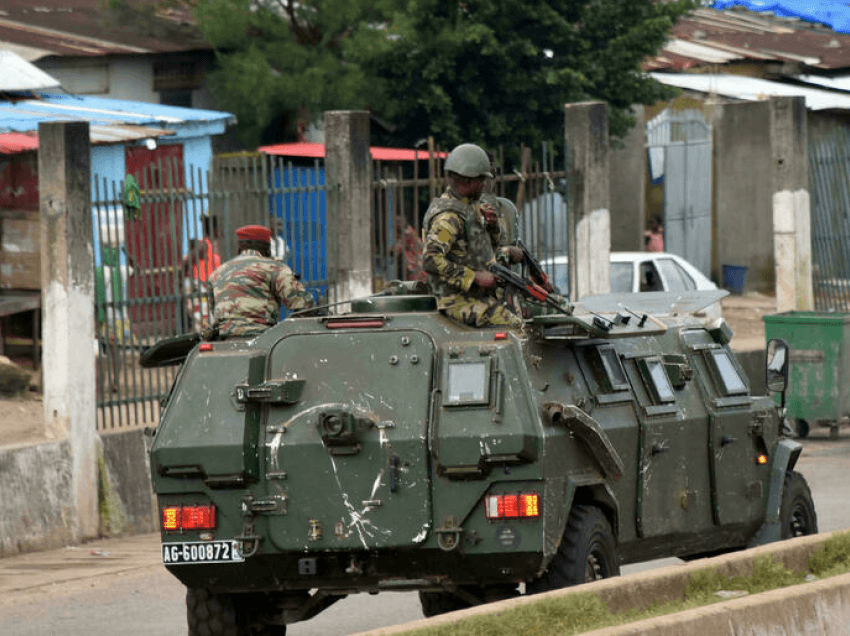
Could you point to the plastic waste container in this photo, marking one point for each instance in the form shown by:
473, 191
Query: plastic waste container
819, 383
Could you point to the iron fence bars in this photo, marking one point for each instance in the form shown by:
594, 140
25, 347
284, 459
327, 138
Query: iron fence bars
829, 184
147, 287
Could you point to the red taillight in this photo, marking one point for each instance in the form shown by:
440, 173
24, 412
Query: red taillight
500, 335
354, 324
205, 346
512, 506
188, 518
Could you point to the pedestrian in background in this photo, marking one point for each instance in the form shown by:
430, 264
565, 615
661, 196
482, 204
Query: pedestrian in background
653, 238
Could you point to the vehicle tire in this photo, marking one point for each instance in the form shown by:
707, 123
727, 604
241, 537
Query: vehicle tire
587, 552
223, 615
802, 428
797, 512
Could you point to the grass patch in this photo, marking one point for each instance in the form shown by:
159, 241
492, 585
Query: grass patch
582, 612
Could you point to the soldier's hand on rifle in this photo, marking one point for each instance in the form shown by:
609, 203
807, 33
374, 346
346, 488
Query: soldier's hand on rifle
485, 280
489, 213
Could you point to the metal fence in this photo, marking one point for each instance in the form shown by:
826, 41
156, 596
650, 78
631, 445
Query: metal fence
155, 249
829, 184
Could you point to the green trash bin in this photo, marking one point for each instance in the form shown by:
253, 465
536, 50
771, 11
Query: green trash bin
819, 383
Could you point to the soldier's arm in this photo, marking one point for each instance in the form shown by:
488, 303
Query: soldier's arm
289, 290
442, 235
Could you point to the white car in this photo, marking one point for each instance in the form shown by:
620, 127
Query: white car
643, 272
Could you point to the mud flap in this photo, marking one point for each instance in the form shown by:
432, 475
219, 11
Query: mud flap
784, 457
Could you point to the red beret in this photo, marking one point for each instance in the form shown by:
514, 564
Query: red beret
254, 233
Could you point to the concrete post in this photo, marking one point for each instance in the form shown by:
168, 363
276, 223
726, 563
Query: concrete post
628, 188
791, 207
586, 129
67, 284
349, 164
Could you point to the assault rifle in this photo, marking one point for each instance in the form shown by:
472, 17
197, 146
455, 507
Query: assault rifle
535, 269
528, 288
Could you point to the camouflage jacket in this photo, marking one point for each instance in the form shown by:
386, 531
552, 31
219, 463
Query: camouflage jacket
457, 244
248, 291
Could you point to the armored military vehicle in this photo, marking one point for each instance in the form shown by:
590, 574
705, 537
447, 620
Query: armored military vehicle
391, 448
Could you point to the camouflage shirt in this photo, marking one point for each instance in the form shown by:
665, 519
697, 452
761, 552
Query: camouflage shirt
457, 244
248, 291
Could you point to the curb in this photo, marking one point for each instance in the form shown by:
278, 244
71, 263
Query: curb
640, 590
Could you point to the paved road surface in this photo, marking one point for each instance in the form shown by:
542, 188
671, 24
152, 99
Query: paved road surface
119, 587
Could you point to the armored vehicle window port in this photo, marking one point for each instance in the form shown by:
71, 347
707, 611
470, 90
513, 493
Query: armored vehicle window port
390, 448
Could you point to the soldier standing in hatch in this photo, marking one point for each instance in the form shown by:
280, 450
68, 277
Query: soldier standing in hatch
462, 235
249, 289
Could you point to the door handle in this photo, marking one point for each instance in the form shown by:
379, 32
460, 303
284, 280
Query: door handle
725, 440
657, 449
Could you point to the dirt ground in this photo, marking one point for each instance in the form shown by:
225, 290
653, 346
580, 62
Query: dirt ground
22, 419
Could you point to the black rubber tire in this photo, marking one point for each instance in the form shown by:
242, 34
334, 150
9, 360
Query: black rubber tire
802, 428
211, 614
588, 552
797, 513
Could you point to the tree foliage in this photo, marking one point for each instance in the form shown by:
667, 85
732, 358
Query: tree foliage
489, 71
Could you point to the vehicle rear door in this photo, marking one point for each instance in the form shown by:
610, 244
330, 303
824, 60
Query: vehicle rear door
349, 461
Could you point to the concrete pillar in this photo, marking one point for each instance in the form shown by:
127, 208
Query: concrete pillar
67, 284
742, 229
628, 187
586, 129
792, 235
348, 163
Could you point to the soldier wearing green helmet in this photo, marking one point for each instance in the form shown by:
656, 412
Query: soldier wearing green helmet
461, 236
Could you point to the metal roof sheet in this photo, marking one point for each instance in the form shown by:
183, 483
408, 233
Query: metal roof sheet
14, 143
753, 89
317, 151
697, 37
840, 83
16, 74
90, 27
23, 115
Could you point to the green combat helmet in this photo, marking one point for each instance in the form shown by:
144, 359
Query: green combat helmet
469, 160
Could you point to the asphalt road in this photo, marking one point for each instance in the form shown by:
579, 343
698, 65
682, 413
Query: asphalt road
119, 587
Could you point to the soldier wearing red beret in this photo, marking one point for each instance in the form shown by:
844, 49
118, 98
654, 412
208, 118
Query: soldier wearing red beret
249, 289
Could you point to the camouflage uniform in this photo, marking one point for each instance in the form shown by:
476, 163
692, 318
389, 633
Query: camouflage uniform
248, 291
457, 244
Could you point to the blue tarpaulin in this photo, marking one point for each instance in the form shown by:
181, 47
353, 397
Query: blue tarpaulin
833, 13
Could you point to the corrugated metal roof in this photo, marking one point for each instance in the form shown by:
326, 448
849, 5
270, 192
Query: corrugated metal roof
708, 37
14, 143
92, 27
19, 75
317, 151
25, 114
841, 83
753, 89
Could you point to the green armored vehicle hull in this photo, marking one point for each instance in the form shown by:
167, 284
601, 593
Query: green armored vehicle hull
391, 448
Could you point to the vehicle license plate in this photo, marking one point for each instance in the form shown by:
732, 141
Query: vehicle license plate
202, 552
